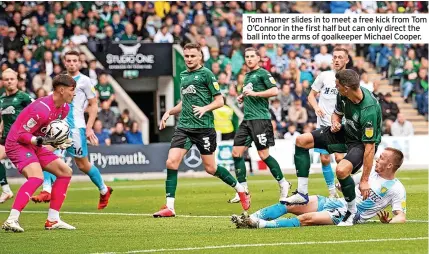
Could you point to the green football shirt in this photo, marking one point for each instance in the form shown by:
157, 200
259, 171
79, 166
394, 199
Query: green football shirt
197, 88
257, 107
10, 107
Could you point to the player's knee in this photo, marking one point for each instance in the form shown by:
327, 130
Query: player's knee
305, 219
341, 172
210, 169
83, 164
263, 154
236, 153
172, 163
304, 141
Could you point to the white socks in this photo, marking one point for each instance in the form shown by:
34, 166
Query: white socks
53, 215
6, 188
351, 206
239, 187
14, 214
303, 185
170, 203
104, 190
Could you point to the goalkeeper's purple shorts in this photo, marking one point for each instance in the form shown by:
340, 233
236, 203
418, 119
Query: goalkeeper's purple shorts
22, 155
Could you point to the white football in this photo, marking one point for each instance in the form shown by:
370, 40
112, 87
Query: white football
58, 129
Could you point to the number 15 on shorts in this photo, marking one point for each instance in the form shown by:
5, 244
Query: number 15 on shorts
206, 143
262, 139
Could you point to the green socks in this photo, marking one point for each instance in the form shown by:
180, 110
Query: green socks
302, 161
240, 169
171, 183
348, 188
225, 176
274, 168
3, 179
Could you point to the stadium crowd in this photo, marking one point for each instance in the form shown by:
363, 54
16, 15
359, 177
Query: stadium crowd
34, 36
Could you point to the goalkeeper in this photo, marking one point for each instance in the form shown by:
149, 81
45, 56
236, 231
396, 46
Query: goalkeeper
25, 148
385, 190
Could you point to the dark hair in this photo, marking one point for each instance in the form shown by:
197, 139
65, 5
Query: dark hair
63, 80
252, 49
72, 53
397, 158
348, 78
192, 46
341, 49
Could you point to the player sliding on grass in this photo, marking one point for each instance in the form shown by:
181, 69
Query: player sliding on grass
11, 105
359, 137
259, 85
85, 99
384, 190
200, 96
25, 148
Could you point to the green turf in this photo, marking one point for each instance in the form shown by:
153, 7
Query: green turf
207, 196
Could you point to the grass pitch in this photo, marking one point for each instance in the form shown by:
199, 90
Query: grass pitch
203, 224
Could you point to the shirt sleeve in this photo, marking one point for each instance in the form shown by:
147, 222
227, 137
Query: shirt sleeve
26, 100
89, 89
268, 80
318, 83
339, 107
399, 200
212, 83
369, 125
31, 123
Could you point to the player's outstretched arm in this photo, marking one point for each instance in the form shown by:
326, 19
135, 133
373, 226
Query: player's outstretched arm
368, 159
174, 111
273, 91
398, 217
216, 103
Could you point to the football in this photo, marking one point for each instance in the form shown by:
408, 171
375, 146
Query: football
58, 129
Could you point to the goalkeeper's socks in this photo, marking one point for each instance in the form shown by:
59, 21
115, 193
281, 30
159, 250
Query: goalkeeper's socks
48, 179
271, 212
280, 223
25, 192
59, 190
95, 176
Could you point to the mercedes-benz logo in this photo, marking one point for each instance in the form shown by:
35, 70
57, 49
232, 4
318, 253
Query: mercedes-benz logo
193, 158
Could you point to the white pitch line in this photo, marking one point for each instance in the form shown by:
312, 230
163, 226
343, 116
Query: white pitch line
272, 244
150, 215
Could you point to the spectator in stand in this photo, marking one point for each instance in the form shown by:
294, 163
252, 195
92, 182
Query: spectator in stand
323, 56
118, 135
299, 94
128, 35
402, 127
359, 67
305, 74
125, 119
78, 37
139, 29
30, 63
163, 36
224, 41
106, 116
410, 78
102, 134
364, 82
215, 57
223, 121
286, 99
105, 90
22, 87
13, 41
41, 92
421, 90
298, 114
93, 41
23, 74
42, 80
210, 38
29, 40
93, 72
108, 39
383, 59
389, 110
278, 118
11, 60
51, 26
48, 63
134, 135
291, 133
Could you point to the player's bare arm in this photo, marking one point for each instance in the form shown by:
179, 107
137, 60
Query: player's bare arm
336, 122
368, 159
216, 103
273, 91
172, 112
92, 110
313, 102
398, 217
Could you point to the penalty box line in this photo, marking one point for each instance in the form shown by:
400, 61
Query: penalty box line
272, 244
150, 215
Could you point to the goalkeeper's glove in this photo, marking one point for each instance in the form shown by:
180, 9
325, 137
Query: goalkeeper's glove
49, 141
66, 144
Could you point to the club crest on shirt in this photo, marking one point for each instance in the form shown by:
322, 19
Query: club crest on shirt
272, 80
369, 132
30, 124
216, 85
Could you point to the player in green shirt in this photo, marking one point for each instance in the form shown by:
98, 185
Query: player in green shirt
259, 85
11, 104
359, 136
200, 96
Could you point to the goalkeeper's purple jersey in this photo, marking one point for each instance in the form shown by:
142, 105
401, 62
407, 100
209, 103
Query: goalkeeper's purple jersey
32, 121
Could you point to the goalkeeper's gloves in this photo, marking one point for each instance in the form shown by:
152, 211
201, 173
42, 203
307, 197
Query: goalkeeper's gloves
67, 143
49, 141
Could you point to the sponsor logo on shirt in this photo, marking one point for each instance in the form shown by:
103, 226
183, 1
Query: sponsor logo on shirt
8, 111
248, 87
189, 89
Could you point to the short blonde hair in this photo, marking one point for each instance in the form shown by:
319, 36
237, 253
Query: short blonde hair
9, 70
